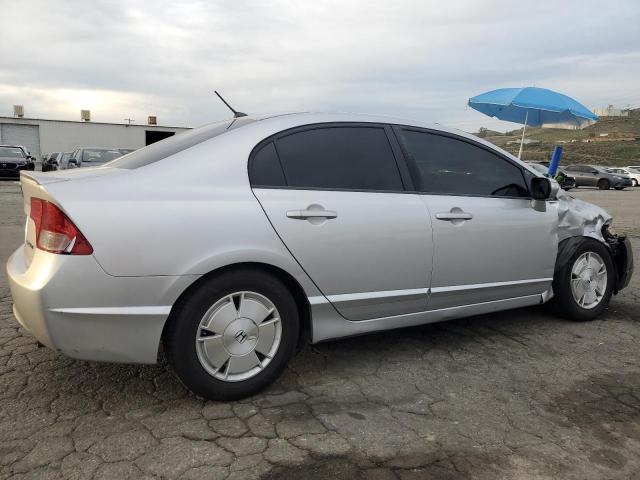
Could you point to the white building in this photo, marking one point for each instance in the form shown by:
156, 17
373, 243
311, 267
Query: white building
611, 111
46, 136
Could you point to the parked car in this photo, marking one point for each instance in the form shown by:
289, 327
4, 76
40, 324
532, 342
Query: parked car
31, 160
92, 157
231, 243
632, 173
595, 176
13, 160
52, 161
566, 181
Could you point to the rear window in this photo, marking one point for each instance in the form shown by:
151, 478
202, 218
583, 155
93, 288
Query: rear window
176, 143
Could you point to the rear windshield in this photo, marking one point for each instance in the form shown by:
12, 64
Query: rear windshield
99, 155
176, 143
11, 152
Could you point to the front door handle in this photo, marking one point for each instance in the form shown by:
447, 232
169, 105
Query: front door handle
454, 216
306, 214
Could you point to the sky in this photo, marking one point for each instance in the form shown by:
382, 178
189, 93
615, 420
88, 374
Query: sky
418, 59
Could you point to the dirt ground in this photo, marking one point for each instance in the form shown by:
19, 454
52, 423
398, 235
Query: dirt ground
513, 395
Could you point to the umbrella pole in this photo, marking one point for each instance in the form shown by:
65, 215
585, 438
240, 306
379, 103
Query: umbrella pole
526, 117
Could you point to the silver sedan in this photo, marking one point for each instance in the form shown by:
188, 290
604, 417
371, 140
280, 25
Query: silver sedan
231, 243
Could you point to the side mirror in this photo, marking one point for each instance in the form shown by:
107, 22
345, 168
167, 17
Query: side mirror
540, 188
595, 172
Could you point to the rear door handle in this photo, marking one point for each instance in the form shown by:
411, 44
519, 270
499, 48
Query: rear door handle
454, 216
305, 214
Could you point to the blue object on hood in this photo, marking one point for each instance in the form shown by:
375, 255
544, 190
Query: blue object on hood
534, 107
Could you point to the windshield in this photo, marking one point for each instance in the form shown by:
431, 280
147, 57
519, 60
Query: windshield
633, 170
177, 143
99, 155
11, 152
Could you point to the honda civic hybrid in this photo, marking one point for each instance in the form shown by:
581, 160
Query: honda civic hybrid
228, 245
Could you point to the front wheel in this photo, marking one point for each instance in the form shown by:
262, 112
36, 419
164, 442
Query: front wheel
584, 284
233, 335
634, 182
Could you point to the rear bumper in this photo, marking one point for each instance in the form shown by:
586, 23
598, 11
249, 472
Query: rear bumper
70, 304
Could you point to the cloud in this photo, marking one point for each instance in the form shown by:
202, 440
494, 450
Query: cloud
421, 59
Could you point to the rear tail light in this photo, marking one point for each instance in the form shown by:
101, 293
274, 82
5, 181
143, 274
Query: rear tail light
55, 233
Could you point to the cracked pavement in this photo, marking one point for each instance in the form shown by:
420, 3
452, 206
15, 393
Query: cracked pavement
518, 394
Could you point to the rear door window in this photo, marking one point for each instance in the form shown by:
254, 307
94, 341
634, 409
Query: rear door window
447, 165
266, 169
339, 158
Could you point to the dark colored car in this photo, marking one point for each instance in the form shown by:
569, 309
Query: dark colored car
93, 157
51, 161
566, 181
31, 160
12, 160
595, 176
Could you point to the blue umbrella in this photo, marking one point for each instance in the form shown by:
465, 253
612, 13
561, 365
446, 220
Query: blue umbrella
535, 107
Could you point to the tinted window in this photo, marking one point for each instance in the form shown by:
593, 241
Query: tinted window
266, 169
358, 158
446, 165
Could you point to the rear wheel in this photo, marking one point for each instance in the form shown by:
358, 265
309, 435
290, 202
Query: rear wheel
234, 335
583, 285
604, 184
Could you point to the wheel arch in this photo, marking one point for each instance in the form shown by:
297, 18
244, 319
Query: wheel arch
299, 295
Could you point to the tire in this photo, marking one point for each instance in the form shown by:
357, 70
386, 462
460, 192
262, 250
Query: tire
634, 182
619, 188
565, 303
604, 184
200, 363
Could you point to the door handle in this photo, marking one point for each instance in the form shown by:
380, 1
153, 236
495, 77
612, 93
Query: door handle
454, 216
305, 214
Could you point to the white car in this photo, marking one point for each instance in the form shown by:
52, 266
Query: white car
633, 173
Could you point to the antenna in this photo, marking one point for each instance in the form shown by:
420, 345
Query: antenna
236, 114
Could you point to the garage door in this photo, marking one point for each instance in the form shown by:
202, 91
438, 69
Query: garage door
27, 135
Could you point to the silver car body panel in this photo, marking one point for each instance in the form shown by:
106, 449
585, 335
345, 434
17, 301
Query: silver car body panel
327, 325
577, 218
158, 228
507, 245
69, 303
378, 242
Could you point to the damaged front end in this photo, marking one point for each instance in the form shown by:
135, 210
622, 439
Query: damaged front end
578, 220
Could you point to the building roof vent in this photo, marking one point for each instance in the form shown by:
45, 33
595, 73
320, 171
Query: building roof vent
85, 115
18, 111
152, 120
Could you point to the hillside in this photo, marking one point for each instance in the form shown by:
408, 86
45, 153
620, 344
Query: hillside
610, 141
